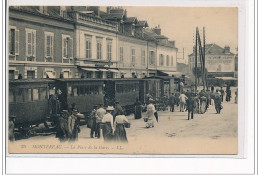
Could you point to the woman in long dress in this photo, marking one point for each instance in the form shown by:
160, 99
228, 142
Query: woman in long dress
107, 124
150, 115
120, 133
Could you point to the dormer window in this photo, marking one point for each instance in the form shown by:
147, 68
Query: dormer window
43, 10
62, 11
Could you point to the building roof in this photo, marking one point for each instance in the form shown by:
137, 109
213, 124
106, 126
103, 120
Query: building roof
131, 20
214, 49
142, 24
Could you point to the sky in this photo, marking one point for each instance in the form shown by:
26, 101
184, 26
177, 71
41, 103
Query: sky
179, 24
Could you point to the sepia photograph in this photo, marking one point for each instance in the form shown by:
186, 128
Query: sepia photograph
135, 80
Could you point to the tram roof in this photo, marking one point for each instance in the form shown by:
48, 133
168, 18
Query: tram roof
97, 79
44, 80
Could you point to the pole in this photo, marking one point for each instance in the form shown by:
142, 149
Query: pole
196, 59
204, 56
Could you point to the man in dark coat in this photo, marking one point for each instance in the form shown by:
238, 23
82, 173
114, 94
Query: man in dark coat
172, 102
138, 109
118, 109
222, 93
92, 121
212, 88
190, 106
11, 128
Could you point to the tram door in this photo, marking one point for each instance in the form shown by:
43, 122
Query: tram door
142, 89
109, 90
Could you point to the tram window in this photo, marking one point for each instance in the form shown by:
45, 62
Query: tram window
81, 90
95, 90
35, 94
91, 89
43, 93
19, 95
75, 91
11, 95
117, 88
100, 89
70, 90
27, 95
87, 90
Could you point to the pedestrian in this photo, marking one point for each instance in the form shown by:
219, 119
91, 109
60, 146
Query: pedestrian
222, 93
100, 114
73, 125
217, 101
73, 107
63, 128
172, 102
119, 124
183, 99
118, 109
212, 88
203, 101
228, 92
93, 121
177, 100
11, 127
138, 109
208, 95
108, 124
150, 117
190, 107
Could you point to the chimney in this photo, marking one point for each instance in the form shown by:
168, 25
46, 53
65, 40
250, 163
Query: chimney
226, 49
108, 9
95, 9
157, 30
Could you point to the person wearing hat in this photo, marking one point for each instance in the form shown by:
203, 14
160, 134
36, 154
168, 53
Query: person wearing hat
62, 128
108, 122
11, 128
172, 102
100, 114
73, 125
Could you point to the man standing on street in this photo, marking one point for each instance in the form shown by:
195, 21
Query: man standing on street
190, 106
172, 102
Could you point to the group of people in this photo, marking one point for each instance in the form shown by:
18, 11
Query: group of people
111, 120
68, 124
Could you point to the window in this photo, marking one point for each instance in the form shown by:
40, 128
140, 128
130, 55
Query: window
43, 93
109, 49
11, 95
11, 75
133, 56
27, 95
35, 94
121, 54
88, 47
19, 95
81, 90
67, 48
167, 60
30, 44
30, 74
13, 41
75, 91
143, 57
151, 58
161, 60
171, 60
99, 49
48, 46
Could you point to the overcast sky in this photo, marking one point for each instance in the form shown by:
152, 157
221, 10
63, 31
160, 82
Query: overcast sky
179, 24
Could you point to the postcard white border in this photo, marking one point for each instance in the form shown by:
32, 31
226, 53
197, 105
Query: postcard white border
243, 163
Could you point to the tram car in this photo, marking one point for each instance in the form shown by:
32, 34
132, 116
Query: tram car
28, 101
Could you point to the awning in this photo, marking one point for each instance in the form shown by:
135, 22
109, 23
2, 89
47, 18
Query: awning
227, 78
122, 72
89, 69
103, 70
113, 70
50, 74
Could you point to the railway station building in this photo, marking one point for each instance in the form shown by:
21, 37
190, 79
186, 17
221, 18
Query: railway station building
219, 62
85, 42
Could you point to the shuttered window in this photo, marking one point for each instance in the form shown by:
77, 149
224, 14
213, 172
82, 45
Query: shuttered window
67, 48
13, 41
49, 37
30, 44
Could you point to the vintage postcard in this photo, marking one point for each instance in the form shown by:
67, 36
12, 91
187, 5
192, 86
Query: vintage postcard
122, 80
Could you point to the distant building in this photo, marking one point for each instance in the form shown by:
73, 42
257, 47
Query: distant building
219, 62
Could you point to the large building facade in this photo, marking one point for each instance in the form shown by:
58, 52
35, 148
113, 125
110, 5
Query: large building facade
219, 62
84, 42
